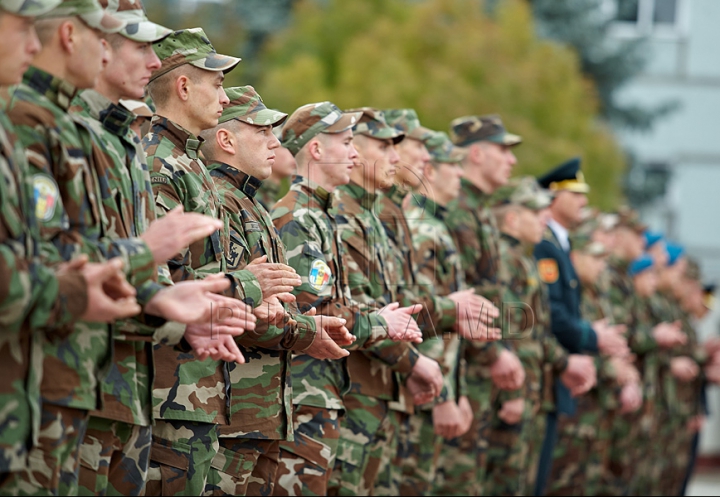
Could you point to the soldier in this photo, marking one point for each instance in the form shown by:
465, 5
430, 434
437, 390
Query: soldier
240, 151
487, 165
521, 211
34, 296
187, 92
282, 170
556, 270
117, 442
320, 137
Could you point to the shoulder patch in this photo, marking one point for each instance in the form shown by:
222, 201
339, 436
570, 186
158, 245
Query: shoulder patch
252, 226
548, 270
46, 193
319, 276
159, 179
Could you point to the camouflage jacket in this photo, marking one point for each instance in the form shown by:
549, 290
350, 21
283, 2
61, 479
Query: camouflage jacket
268, 194
315, 250
371, 278
127, 210
179, 177
69, 212
474, 226
32, 296
526, 320
644, 347
261, 402
438, 265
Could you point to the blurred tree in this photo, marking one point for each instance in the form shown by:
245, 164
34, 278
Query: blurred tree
609, 62
446, 58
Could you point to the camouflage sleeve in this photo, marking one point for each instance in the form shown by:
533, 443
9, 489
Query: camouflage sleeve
398, 356
438, 312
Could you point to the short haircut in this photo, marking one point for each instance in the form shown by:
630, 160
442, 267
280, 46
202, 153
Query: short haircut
46, 28
210, 147
501, 211
161, 88
115, 40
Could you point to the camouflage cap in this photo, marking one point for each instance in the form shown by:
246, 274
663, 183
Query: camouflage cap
310, 120
407, 121
372, 124
441, 149
190, 46
629, 218
470, 129
138, 28
247, 106
523, 191
583, 242
28, 8
692, 270
90, 11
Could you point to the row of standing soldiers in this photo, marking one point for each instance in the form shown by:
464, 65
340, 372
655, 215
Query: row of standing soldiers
166, 332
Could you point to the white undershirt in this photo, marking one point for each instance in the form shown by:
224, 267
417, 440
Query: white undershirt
561, 233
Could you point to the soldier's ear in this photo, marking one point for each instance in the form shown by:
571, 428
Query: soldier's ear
476, 153
225, 140
182, 84
315, 149
67, 35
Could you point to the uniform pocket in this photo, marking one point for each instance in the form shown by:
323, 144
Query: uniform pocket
168, 468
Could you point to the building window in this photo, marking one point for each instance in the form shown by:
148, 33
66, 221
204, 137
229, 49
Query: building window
645, 17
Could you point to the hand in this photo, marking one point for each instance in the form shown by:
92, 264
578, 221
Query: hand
512, 411
712, 373
274, 278
684, 368
669, 335
625, 372
466, 412
401, 325
207, 343
334, 328
175, 231
631, 398
580, 374
610, 338
448, 420
475, 315
712, 346
324, 346
109, 296
507, 372
272, 311
425, 382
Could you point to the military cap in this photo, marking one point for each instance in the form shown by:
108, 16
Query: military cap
523, 191
90, 11
442, 150
28, 8
566, 176
583, 242
247, 106
137, 107
372, 124
651, 238
470, 129
675, 252
692, 270
642, 263
407, 121
629, 218
607, 221
310, 120
190, 46
138, 28
589, 223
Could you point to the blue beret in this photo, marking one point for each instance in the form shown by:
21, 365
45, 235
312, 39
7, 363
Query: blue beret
674, 251
652, 237
640, 264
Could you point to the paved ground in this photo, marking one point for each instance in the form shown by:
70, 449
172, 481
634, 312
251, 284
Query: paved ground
706, 483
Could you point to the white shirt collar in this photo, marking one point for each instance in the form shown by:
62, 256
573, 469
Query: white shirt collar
561, 233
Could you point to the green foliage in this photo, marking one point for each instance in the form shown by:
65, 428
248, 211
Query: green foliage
446, 58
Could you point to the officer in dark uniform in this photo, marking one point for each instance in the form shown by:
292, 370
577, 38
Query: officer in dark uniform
577, 335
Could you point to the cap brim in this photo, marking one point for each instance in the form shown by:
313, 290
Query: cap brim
506, 139
346, 121
265, 117
420, 133
145, 32
217, 63
102, 21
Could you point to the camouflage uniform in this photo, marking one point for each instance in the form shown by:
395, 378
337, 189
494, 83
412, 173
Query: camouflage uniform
261, 399
268, 194
33, 296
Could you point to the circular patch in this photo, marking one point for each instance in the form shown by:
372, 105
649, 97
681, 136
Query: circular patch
46, 195
319, 276
548, 270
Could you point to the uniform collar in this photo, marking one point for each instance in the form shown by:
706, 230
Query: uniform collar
429, 206
396, 194
57, 90
176, 133
314, 190
357, 192
249, 185
561, 233
115, 118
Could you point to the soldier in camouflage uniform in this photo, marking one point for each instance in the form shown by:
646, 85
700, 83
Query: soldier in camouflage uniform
33, 295
487, 165
184, 419
114, 455
239, 153
320, 137
282, 170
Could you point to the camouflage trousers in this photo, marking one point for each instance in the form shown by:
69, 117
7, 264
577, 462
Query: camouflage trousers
180, 457
306, 464
418, 455
672, 453
536, 427
506, 458
53, 464
630, 463
582, 451
244, 466
390, 476
366, 432
114, 458
462, 464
